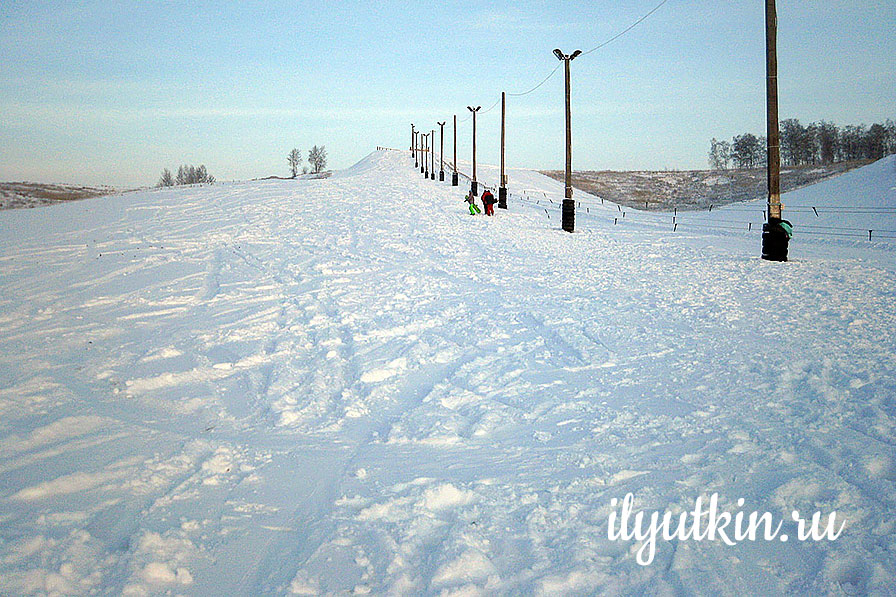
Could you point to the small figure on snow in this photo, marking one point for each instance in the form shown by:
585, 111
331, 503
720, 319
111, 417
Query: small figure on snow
488, 200
471, 199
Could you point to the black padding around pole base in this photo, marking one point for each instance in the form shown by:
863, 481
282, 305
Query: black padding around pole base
569, 215
454, 179
441, 175
502, 197
474, 187
774, 241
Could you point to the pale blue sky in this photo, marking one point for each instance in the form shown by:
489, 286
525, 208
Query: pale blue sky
112, 92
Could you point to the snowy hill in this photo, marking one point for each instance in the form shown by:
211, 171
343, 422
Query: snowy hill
352, 385
843, 209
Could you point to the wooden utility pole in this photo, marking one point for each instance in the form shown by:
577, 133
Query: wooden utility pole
473, 185
414, 145
775, 231
422, 155
432, 156
771, 87
454, 175
502, 188
441, 150
426, 158
568, 219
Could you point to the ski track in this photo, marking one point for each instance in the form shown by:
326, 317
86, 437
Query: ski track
350, 385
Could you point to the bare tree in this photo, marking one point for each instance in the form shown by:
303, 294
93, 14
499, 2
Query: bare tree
193, 175
167, 180
294, 159
719, 154
876, 141
202, 176
851, 141
745, 150
891, 136
827, 136
317, 157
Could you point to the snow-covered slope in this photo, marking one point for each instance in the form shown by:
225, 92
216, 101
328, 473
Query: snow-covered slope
351, 385
843, 209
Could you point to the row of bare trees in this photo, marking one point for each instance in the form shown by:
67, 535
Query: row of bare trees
801, 145
317, 159
185, 175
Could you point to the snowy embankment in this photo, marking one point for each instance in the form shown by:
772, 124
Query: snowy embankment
855, 209
350, 384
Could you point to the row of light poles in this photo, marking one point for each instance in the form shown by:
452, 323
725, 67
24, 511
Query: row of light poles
424, 157
569, 214
422, 148
774, 239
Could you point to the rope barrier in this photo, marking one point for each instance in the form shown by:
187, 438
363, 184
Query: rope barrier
714, 224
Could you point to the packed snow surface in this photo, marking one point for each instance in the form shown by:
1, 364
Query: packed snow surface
351, 385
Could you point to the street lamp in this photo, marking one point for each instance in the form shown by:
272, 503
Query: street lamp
454, 174
568, 220
473, 186
425, 168
441, 151
502, 187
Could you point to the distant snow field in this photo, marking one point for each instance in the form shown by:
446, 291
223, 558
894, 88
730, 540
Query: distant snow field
352, 386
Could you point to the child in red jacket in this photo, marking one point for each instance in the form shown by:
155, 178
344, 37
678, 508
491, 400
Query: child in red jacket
488, 200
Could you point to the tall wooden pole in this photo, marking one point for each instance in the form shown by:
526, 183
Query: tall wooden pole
568, 178
432, 156
454, 174
422, 155
474, 152
414, 145
502, 188
771, 86
441, 151
426, 157
473, 186
568, 213
775, 231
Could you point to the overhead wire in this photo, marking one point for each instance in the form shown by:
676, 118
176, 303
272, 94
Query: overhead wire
624, 31
556, 68
545, 80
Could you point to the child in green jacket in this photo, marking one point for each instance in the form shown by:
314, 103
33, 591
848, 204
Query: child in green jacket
471, 199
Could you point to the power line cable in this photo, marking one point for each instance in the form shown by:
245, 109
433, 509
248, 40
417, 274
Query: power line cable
545, 80
556, 68
629, 28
